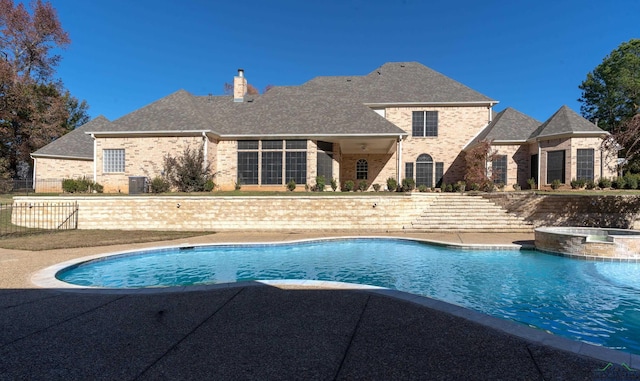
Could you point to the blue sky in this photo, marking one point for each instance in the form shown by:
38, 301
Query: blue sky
530, 55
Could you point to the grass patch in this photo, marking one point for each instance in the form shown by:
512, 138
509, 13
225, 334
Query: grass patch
68, 239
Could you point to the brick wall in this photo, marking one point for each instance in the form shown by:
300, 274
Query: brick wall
50, 172
456, 127
144, 156
244, 213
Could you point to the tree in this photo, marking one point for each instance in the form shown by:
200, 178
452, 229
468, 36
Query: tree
611, 92
477, 159
188, 172
624, 144
34, 108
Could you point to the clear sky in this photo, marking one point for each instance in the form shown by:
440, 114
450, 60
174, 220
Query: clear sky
530, 55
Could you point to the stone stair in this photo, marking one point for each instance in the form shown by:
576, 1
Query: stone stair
462, 213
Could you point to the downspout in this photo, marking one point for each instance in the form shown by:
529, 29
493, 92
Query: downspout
205, 148
35, 165
399, 164
539, 162
95, 159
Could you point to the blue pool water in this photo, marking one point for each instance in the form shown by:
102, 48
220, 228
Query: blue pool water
596, 302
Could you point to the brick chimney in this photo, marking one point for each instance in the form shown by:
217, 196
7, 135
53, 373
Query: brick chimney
239, 86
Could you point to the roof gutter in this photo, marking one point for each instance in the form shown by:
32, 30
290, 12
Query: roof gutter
152, 133
410, 104
253, 136
45, 156
568, 135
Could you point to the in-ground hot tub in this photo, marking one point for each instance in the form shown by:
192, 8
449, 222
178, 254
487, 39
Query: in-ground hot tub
589, 243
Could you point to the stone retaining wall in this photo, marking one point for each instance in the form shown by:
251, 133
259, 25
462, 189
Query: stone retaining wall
607, 211
202, 213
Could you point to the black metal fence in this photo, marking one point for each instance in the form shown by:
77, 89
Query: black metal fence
30, 217
18, 187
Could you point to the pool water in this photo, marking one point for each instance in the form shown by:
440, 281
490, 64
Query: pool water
595, 302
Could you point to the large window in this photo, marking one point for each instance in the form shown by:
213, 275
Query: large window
555, 166
296, 167
424, 170
325, 160
274, 158
408, 170
499, 169
362, 169
424, 123
271, 167
585, 164
113, 160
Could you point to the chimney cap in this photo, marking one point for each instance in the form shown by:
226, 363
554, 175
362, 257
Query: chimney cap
240, 72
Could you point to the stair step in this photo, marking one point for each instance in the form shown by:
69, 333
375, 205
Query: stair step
454, 212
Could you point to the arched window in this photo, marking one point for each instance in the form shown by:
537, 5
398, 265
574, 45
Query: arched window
424, 170
362, 169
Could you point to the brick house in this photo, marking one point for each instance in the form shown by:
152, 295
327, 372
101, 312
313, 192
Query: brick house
401, 120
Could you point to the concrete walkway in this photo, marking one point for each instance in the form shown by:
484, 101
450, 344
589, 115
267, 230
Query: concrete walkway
253, 331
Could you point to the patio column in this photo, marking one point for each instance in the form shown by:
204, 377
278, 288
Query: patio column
399, 163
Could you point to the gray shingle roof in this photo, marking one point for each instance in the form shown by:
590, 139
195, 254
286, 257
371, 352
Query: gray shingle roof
176, 112
290, 111
565, 121
398, 82
324, 106
509, 125
75, 144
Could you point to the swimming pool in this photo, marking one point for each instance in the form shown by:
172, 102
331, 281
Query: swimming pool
595, 302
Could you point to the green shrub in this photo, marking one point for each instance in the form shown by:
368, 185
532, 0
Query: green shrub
590, 184
459, 186
376, 187
98, 188
291, 185
516, 187
237, 185
408, 184
159, 185
422, 188
631, 181
475, 186
618, 183
69, 186
532, 183
320, 183
349, 185
449, 188
334, 184
555, 184
392, 184
604, 183
209, 185
578, 183
81, 185
363, 185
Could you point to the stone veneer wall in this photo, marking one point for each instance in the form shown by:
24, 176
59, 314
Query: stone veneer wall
202, 213
589, 243
607, 211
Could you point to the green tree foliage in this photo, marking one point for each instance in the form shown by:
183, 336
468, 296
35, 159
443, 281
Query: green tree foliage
34, 108
611, 92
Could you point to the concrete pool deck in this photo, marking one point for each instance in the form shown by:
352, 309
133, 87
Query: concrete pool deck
277, 331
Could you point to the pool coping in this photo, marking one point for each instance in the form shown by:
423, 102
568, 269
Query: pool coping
45, 278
